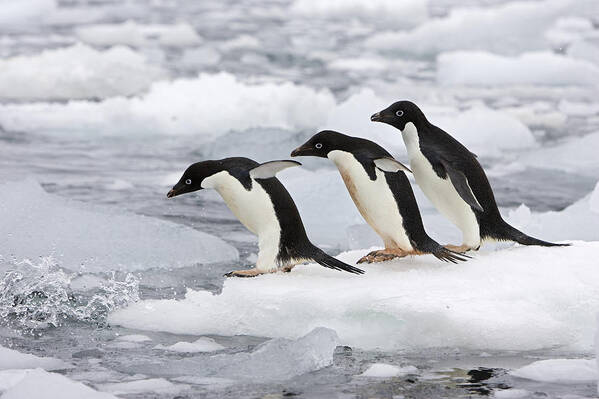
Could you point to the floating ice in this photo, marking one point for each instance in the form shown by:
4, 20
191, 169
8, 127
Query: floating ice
481, 68
35, 223
37, 383
77, 72
204, 344
506, 28
134, 338
579, 221
502, 300
406, 13
134, 34
382, 370
275, 360
154, 385
180, 107
561, 371
511, 393
12, 359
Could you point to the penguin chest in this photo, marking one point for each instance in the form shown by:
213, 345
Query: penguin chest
373, 198
440, 192
253, 208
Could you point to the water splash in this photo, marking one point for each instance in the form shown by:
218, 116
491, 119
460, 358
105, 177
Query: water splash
36, 296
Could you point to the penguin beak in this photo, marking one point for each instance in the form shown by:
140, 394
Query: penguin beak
376, 117
171, 193
301, 150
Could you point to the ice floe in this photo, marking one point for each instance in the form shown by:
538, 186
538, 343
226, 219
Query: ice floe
499, 300
180, 107
382, 370
154, 385
134, 338
35, 223
407, 13
508, 28
134, 34
12, 359
76, 72
561, 371
203, 344
37, 383
482, 68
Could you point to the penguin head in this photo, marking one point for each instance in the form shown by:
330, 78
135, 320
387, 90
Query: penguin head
194, 176
399, 114
320, 144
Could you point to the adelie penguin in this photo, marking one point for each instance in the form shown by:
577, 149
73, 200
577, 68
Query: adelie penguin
382, 193
263, 205
452, 179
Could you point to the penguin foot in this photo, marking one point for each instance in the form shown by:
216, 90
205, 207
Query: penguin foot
244, 273
459, 248
383, 255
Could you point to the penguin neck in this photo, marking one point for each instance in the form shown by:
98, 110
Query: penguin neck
411, 139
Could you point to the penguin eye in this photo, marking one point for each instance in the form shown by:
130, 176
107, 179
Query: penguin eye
399, 113
318, 146
188, 181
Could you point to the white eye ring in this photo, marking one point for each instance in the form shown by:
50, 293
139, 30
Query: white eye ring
318, 146
399, 113
188, 181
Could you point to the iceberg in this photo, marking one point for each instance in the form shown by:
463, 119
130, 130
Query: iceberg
499, 300
560, 371
35, 223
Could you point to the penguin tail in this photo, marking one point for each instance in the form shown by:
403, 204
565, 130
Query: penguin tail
440, 252
509, 233
322, 258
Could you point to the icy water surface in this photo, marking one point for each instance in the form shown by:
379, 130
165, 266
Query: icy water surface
103, 105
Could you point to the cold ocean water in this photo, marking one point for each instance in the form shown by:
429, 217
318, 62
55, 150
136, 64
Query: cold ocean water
103, 104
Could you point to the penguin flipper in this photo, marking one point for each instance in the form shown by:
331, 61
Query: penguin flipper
460, 183
271, 168
388, 164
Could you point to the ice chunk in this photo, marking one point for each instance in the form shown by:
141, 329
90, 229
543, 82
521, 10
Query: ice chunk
154, 385
37, 383
134, 338
561, 371
180, 107
406, 13
275, 360
204, 344
579, 221
511, 393
12, 359
508, 28
35, 223
481, 68
499, 300
133, 34
76, 72
382, 370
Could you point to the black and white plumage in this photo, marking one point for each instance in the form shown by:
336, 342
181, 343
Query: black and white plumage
452, 179
264, 206
382, 193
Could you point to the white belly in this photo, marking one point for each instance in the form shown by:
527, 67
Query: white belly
373, 199
255, 211
440, 192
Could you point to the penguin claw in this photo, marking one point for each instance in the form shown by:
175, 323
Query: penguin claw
380, 255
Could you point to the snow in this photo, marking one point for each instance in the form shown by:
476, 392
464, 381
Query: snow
560, 371
508, 28
134, 34
405, 13
91, 73
35, 223
578, 221
275, 360
382, 370
134, 338
37, 384
499, 300
180, 107
203, 344
154, 385
480, 68
12, 359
